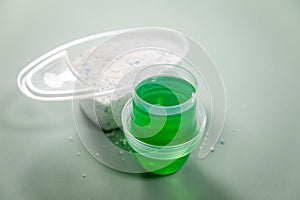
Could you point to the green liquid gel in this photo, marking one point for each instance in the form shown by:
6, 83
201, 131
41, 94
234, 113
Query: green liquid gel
178, 128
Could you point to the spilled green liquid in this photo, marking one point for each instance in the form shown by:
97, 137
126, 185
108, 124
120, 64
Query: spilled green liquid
163, 128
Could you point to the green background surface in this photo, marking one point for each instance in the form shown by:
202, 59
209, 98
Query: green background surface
256, 45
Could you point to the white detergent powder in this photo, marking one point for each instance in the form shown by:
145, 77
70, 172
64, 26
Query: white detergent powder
106, 110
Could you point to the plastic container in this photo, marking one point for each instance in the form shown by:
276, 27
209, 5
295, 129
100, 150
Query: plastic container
97, 72
73, 70
163, 122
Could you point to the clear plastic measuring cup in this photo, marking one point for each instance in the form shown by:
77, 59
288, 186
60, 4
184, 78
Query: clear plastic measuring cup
163, 122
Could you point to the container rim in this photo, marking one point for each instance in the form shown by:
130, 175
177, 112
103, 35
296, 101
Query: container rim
156, 151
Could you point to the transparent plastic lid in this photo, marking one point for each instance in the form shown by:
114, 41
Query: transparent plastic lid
96, 67
53, 76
